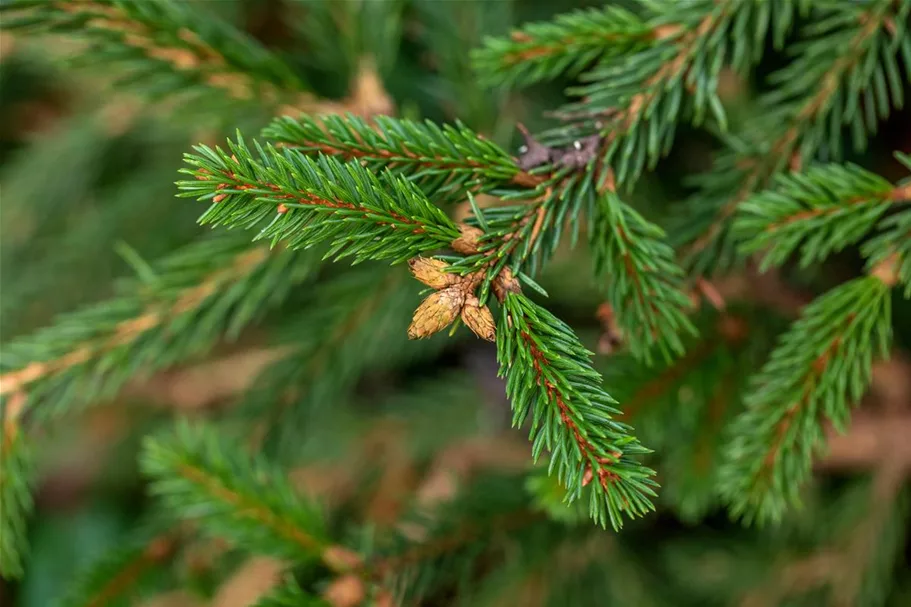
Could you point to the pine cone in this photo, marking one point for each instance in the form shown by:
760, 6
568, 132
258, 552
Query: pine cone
432, 272
436, 313
479, 319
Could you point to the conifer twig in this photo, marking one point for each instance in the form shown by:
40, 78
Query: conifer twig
119, 573
802, 117
203, 479
176, 49
16, 477
447, 158
635, 100
562, 47
644, 284
309, 201
217, 278
820, 368
817, 212
549, 377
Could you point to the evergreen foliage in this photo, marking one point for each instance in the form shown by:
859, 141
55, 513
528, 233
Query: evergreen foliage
820, 368
744, 330
130, 570
17, 471
549, 379
322, 201
643, 283
167, 49
202, 477
210, 290
562, 47
845, 61
818, 212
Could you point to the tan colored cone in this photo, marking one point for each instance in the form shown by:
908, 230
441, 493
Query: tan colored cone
432, 272
467, 243
436, 313
479, 319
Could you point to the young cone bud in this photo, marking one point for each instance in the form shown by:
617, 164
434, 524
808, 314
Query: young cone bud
467, 243
431, 272
479, 319
436, 313
345, 591
505, 283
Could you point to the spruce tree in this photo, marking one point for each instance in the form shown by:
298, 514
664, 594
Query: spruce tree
677, 232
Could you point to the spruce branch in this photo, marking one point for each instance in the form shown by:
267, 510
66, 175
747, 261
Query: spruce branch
16, 477
524, 233
200, 476
819, 370
681, 407
845, 74
171, 48
563, 46
644, 285
816, 213
444, 159
314, 200
637, 99
445, 162
549, 378
114, 577
889, 254
199, 294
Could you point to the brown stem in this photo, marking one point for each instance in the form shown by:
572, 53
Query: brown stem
157, 551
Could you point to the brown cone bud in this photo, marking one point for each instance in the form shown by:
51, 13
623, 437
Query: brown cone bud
432, 272
467, 243
479, 319
505, 283
436, 313
887, 270
346, 591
